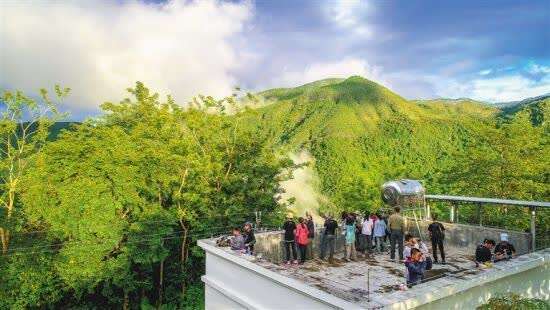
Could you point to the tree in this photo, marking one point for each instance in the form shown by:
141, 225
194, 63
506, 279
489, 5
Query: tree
24, 129
123, 197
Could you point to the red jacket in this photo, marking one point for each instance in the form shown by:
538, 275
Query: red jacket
301, 234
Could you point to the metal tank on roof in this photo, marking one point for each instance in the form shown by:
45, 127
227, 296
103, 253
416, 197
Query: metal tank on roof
403, 193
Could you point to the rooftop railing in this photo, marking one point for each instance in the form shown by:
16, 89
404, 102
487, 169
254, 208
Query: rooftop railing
536, 208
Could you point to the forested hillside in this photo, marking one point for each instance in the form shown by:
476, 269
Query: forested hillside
362, 134
106, 214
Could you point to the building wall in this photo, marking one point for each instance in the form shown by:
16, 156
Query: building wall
532, 283
232, 282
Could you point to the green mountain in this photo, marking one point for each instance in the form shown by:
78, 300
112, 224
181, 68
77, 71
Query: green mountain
537, 107
362, 134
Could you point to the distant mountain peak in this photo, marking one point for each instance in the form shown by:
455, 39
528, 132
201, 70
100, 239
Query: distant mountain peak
354, 89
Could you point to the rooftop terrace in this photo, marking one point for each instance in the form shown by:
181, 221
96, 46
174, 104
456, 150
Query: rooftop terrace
370, 282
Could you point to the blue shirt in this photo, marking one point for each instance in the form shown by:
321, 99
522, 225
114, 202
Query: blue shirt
380, 228
350, 234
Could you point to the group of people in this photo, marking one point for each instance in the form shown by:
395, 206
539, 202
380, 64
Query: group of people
371, 232
243, 240
298, 235
489, 252
367, 235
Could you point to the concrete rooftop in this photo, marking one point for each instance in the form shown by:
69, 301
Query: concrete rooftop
380, 289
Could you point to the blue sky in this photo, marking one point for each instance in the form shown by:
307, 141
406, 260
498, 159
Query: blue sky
487, 50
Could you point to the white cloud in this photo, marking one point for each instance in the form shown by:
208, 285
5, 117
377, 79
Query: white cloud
534, 68
180, 47
338, 69
350, 15
498, 89
485, 72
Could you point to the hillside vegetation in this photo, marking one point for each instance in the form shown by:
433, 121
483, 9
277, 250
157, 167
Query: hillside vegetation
105, 215
361, 134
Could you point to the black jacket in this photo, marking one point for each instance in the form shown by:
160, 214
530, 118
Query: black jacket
483, 254
249, 238
311, 229
437, 231
330, 227
289, 228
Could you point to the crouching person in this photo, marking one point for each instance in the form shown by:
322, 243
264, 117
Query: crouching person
416, 267
237, 242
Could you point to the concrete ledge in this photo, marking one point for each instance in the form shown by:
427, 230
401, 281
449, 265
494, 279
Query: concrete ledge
306, 291
443, 288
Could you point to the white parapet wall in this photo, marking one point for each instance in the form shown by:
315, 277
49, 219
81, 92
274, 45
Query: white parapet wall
527, 275
234, 281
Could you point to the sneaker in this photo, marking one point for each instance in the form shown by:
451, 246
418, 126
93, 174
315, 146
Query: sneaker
288, 262
295, 262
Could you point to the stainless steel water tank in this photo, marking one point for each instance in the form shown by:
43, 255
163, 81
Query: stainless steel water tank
402, 193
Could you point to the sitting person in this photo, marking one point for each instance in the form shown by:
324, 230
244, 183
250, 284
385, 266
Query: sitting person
416, 267
237, 242
504, 249
483, 252
409, 245
249, 238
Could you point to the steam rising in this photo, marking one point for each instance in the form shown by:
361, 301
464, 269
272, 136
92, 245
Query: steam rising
303, 186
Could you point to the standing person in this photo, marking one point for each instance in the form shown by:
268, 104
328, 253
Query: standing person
416, 267
436, 231
350, 239
366, 234
385, 218
249, 238
290, 244
329, 237
360, 240
397, 228
379, 234
374, 219
302, 238
322, 240
311, 235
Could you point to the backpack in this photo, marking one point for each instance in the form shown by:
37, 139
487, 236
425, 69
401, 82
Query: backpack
302, 234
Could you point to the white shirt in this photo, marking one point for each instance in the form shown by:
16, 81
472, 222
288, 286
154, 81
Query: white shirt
367, 227
421, 246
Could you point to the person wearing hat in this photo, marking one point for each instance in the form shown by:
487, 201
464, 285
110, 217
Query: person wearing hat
504, 249
290, 239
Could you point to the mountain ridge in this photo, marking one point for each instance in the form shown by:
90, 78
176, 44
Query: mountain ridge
361, 134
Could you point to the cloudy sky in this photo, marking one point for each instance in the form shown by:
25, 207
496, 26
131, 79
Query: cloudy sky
487, 50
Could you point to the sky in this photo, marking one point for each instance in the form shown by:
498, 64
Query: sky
492, 51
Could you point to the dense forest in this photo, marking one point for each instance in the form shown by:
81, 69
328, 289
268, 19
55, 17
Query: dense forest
105, 214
